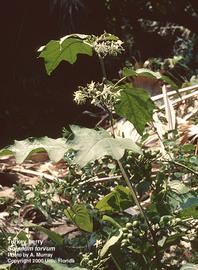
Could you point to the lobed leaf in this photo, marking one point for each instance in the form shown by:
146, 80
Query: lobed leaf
65, 49
178, 187
56, 148
92, 145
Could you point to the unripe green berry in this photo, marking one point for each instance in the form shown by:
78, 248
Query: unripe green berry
136, 223
129, 225
130, 236
124, 230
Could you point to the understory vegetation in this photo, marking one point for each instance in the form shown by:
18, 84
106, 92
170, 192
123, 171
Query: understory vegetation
120, 196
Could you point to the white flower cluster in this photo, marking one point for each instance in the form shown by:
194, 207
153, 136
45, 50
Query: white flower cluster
108, 47
105, 95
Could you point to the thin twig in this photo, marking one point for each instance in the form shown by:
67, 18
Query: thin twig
31, 172
182, 165
103, 179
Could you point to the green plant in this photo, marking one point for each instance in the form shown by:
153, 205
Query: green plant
120, 231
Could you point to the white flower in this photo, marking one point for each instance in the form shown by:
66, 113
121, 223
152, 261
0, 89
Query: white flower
80, 97
98, 243
91, 87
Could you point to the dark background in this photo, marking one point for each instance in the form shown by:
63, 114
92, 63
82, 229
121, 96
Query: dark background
35, 104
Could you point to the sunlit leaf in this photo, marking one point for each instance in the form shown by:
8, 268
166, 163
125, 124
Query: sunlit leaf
92, 145
111, 242
67, 49
189, 208
178, 187
117, 200
189, 266
5, 266
80, 216
55, 148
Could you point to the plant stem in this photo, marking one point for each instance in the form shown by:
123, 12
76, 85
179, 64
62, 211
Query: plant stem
183, 166
118, 82
104, 74
133, 193
131, 188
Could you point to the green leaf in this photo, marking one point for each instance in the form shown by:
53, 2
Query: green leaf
108, 36
5, 152
5, 266
162, 241
136, 106
56, 238
172, 240
80, 216
56, 148
67, 49
148, 73
111, 242
178, 187
189, 266
169, 81
22, 236
92, 145
58, 266
189, 208
111, 220
117, 200
129, 72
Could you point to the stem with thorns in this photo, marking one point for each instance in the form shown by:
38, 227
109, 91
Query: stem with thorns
124, 174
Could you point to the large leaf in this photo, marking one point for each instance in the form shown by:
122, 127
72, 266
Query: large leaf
136, 106
58, 266
111, 242
178, 187
92, 145
80, 216
129, 72
189, 266
67, 49
55, 148
117, 200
